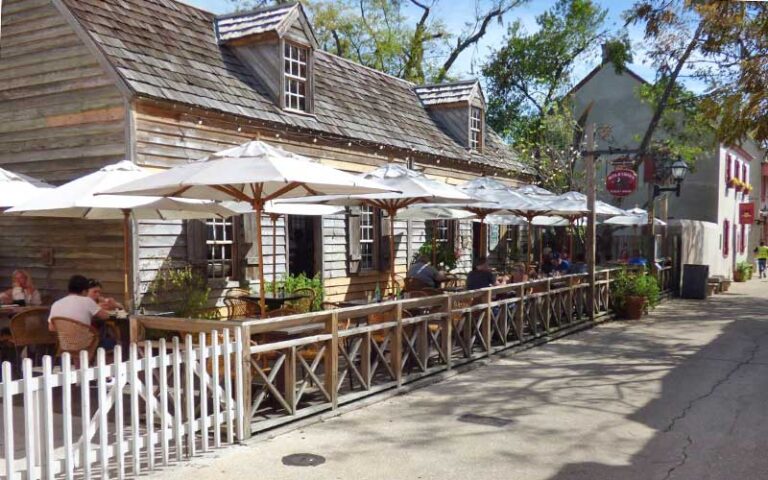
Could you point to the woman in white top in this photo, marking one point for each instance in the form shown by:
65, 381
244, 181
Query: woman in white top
77, 305
23, 290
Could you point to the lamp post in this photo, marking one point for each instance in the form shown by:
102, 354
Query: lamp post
677, 171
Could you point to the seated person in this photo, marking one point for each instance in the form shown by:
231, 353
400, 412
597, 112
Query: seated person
580, 265
481, 276
549, 266
23, 291
95, 293
77, 305
423, 272
563, 265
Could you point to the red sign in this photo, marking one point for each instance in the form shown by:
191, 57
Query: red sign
746, 213
621, 183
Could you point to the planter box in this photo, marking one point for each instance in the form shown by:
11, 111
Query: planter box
634, 308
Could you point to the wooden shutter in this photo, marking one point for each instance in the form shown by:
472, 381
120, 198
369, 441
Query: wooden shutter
197, 250
353, 240
649, 169
382, 235
249, 253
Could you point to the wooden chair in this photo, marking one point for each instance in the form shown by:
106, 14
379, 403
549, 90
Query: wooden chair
432, 291
74, 337
417, 294
29, 329
329, 306
303, 305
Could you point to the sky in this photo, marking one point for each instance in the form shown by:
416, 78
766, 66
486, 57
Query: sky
456, 12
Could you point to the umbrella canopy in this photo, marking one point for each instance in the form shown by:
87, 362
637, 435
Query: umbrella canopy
408, 187
636, 211
79, 199
255, 173
632, 220
16, 188
577, 201
534, 190
538, 221
432, 212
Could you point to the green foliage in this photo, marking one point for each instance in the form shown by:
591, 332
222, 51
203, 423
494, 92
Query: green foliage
294, 282
744, 267
445, 257
629, 283
183, 290
529, 76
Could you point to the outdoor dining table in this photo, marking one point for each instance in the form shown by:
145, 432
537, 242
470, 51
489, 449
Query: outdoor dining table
275, 301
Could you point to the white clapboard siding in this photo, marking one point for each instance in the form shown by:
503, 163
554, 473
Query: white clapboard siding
122, 417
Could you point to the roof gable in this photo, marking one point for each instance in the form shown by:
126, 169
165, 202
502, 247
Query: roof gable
278, 19
449, 93
597, 69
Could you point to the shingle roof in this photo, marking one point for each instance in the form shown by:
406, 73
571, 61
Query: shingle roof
447, 92
167, 50
230, 27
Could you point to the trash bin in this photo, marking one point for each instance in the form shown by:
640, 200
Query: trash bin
695, 279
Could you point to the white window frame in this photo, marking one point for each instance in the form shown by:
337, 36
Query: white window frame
476, 128
293, 81
221, 233
367, 238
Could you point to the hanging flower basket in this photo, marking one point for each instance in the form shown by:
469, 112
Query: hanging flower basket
732, 182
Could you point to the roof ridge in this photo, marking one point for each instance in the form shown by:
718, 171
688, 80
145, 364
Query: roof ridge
254, 11
469, 81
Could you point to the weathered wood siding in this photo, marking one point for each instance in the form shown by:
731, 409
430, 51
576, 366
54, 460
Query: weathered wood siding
454, 120
167, 136
61, 116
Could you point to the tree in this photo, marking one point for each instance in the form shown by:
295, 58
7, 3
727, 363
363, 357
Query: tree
377, 34
528, 79
725, 45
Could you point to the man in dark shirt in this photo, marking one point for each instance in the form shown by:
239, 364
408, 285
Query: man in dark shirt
422, 271
481, 276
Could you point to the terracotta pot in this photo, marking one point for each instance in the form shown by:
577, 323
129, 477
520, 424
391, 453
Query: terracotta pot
634, 307
725, 285
738, 276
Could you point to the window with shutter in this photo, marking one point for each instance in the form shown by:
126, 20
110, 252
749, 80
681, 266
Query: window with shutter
726, 237
353, 241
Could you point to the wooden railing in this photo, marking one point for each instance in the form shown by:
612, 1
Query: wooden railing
300, 365
664, 277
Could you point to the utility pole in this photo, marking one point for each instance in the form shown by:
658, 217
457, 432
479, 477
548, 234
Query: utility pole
589, 160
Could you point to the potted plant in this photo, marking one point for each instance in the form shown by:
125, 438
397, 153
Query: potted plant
634, 293
741, 272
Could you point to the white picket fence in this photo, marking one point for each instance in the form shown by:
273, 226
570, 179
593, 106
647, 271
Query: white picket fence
163, 403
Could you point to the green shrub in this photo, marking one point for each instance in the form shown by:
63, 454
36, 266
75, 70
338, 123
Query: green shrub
445, 256
635, 284
294, 282
183, 290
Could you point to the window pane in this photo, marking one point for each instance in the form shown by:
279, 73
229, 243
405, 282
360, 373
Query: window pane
220, 247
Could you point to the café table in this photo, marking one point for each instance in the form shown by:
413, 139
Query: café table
275, 301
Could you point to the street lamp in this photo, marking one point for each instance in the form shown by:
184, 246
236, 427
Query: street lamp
677, 170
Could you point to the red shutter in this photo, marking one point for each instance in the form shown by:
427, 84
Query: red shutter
726, 236
727, 168
744, 173
649, 170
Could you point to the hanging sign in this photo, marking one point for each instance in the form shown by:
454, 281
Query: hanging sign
746, 213
621, 182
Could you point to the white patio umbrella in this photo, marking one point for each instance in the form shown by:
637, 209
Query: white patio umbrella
632, 220
433, 212
16, 188
79, 199
409, 188
255, 173
534, 190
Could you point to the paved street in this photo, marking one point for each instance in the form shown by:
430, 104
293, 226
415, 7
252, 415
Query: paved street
680, 395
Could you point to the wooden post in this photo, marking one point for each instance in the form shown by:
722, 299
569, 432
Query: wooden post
447, 338
520, 313
548, 305
487, 327
332, 359
258, 206
397, 348
273, 217
126, 259
245, 339
589, 160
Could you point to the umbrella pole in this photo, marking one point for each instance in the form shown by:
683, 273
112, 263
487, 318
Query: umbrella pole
257, 208
274, 218
391, 213
434, 243
530, 241
482, 235
126, 258
570, 239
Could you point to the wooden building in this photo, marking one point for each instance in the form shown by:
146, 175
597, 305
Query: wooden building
86, 83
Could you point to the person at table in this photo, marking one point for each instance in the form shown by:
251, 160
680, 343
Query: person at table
481, 275
580, 265
425, 273
549, 267
637, 260
22, 292
77, 305
563, 265
95, 293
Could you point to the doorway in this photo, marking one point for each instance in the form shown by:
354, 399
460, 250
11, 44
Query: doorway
303, 232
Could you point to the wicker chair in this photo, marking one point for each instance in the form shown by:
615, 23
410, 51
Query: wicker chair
29, 328
74, 337
238, 305
414, 284
303, 305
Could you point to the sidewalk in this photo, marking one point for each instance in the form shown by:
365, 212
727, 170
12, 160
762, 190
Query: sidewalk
680, 395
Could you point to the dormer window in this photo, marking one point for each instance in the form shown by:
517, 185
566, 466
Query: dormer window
476, 129
296, 71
